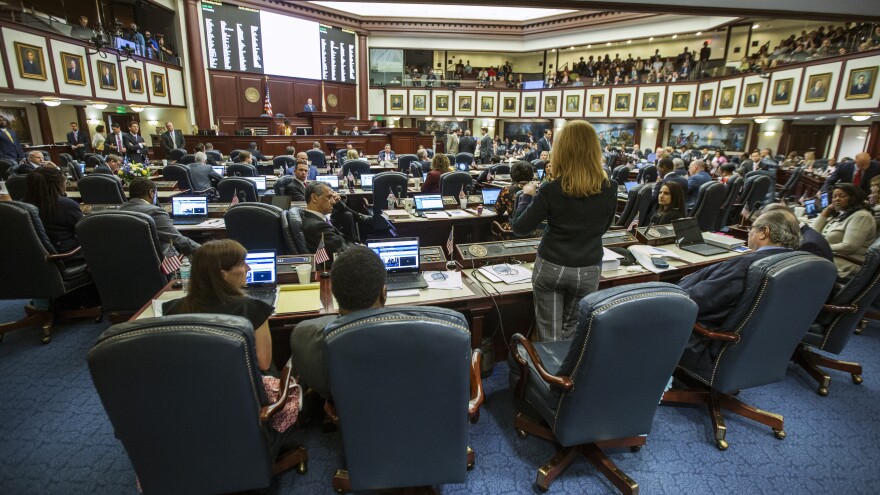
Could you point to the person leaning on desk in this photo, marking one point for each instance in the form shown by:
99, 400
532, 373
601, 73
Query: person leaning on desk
578, 206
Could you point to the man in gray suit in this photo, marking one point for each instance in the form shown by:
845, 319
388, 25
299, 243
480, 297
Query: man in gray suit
143, 195
485, 146
452, 141
203, 176
172, 140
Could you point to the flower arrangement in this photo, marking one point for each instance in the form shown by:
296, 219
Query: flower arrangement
131, 171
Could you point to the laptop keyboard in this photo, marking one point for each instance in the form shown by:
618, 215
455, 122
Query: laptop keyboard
403, 278
265, 294
188, 221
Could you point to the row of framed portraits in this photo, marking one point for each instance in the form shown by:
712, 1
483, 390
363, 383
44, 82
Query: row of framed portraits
32, 65
819, 87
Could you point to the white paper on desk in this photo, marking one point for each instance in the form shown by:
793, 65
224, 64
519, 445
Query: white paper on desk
458, 213
643, 255
452, 280
514, 274
157, 306
436, 214
403, 293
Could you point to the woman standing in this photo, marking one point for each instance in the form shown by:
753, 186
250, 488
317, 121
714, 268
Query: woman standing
98, 140
578, 206
848, 226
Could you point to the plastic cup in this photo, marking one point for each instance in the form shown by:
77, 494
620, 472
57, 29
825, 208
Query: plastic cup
304, 273
479, 209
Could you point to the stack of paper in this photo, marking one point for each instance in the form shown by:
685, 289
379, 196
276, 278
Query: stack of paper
443, 280
610, 260
644, 254
396, 213
509, 274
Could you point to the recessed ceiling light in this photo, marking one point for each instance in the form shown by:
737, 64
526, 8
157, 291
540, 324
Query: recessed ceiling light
651, 38
608, 44
861, 117
674, 36
756, 26
589, 46
553, 50
629, 42
761, 120
699, 33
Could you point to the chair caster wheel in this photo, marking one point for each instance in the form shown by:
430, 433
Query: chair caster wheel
302, 468
823, 391
541, 488
780, 434
857, 379
46, 339
635, 448
470, 466
722, 444
521, 433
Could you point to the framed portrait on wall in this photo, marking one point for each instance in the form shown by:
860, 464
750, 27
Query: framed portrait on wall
17, 120
550, 103
107, 75
649, 101
487, 103
464, 103
726, 99
752, 94
782, 91
158, 84
572, 103
861, 83
395, 102
597, 103
530, 103
818, 88
31, 63
706, 99
509, 104
73, 69
135, 79
418, 102
441, 102
680, 101
621, 103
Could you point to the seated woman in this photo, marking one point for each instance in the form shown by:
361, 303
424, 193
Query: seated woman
725, 172
439, 166
521, 173
59, 214
219, 271
670, 204
847, 225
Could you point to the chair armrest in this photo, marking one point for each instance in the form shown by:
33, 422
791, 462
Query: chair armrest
852, 260
559, 381
61, 256
848, 309
267, 411
477, 397
330, 409
720, 336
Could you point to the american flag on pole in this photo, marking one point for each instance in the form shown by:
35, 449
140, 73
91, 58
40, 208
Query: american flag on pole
449, 241
321, 255
170, 264
234, 197
267, 102
745, 211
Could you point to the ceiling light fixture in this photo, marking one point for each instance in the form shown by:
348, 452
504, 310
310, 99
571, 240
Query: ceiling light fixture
589, 46
99, 105
429, 118
629, 42
761, 120
674, 36
756, 26
137, 108
699, 33
651, 38
608, 44
861, 117
725, 120
51, 102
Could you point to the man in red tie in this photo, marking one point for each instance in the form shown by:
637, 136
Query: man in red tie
859, 172
114, 141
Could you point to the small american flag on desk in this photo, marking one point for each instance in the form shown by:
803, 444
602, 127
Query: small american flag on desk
449, 241
170, 264
234, 197
321, 255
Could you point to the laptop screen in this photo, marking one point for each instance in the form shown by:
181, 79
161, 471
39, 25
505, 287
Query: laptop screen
540, 173
823, 200
220, 169
810, 208
630, 185
367, 180
262, 267
189, 206
462, 166
687, 231
399, 255
259, 181
490, 196
427, 202
330, 180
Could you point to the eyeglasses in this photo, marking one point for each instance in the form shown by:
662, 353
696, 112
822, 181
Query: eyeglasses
505, 270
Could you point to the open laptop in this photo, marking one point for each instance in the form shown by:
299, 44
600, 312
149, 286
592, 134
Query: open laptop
401, 259
490, 196
810, 209
189, 210
259, 181
262, 276
427, 202
367, 182
330, 180
220, 169
689, 237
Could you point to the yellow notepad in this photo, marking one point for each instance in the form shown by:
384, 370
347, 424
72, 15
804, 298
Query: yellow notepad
298, 298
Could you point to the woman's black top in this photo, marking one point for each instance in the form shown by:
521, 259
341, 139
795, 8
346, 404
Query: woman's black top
62, 229
574, 225
256, 311
666, 217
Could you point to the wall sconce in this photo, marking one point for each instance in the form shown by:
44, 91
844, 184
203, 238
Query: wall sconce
761, 120
51, 102
93, 121
136, 108
98, 105
769, 133
153, 122
725, 121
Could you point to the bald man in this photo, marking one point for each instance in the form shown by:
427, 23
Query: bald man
858, 172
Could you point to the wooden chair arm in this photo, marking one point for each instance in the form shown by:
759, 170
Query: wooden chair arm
848, 309
267, 411
61, 256
560, 381
477, 397
852, 260
720, 336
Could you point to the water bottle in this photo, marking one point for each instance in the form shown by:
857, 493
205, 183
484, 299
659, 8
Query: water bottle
185, 268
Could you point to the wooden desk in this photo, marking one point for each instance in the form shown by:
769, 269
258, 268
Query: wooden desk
161, 185
164, 196
468, 229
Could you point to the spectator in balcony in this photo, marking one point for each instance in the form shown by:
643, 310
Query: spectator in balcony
82, 30
152, 45
137, 38
165, 53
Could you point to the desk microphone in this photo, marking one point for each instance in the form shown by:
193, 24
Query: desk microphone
648, 229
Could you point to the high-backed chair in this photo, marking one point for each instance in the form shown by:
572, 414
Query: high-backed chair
839, 317
295, 227
500, 169
452, 183
783, 191
241, 170
214, 155
6, 167
404, 382
281, 184
101, 189
356, 168
755, 343
710, 199
648, 173
629, 209
385, 183
587, 390
317, 158
620, 174
285, 162
451, 158
403, 162
93, 160
31, 268
176, 154
124, 286
734, 188
187, 159
16, 186
754, 191
180, 435
233, 186
233, 155
463, 157
74, 171
259, 226
181, 174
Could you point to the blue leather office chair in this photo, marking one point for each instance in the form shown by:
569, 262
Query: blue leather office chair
403, 380
6, 167
500, 169
783, 191
587, 391
638, 205
176, 154
182, 175
403, 162
755, 344
452, 183
710, 199
295, 227
187, 159
124, 286
620, 174
93, 160
317, 158
754, 191
214, 155
385, 183
285, 162
231, 186
182, 436
241, 170
16, 186
356, 168
648, 173
839, 317
233, 155
101, 189
463, 157
259, 226
31, 268
734, 189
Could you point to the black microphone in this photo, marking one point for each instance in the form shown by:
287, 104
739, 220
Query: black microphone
399, 189
241, 197
648, 228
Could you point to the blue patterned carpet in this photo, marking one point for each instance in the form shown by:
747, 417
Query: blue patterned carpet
56, 439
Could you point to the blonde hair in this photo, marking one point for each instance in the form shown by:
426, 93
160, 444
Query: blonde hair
577, 160
441, 163
352, 155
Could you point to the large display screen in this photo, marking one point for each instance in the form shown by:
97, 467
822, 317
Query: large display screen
248, 40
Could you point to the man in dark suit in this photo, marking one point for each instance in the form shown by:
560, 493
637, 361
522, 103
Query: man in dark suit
78, 141
697, 176
386, 154
171, 139
252, 148
135, 83
135, 149
811, 241
467, 144
107, 79
142, 192
320, 202
296, 188
356, 131
73, 71
309, 106
485, 146
858, 172
30, 64
717, 288
33, 162
545, 143
860, 87
113, 143
10, 147
752, 99
110, 166
753, 163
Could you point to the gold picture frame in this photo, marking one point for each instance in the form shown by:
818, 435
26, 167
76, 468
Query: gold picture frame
752, 94
419, 103
530, 103
597, 103
107, 76
441, 102
73, 68
817, 88
487, 103
861, 83
725, 99
465, 103
159, 84
706, 99
782, 91
509, 104
622, 102
395, 102
31, 62
651, 102
550, 103
572, 103
134, 80
681, 101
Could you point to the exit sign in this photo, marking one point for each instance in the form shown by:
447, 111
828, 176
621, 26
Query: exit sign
120, 110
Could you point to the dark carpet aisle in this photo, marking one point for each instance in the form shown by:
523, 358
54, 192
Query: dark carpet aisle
56, 439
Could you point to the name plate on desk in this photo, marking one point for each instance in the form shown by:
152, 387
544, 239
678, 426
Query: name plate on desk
656, 235
618, 238
496, 251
